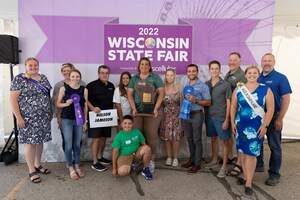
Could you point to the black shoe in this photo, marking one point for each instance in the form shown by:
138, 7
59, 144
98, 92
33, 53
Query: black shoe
248, 191
187, 164
104, 161
98, 167
259, 169
194, 169
272, 181
241, 181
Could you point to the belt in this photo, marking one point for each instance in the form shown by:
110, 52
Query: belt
196, 111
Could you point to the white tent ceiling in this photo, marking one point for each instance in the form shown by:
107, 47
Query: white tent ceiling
286, 11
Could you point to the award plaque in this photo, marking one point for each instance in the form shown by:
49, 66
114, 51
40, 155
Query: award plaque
146, 92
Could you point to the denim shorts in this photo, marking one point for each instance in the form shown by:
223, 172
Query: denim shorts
214, 128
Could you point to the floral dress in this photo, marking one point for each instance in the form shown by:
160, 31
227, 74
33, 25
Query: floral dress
170, 126
35, 108
248, 122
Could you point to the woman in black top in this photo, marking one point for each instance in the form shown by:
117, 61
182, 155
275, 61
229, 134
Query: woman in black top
72, 99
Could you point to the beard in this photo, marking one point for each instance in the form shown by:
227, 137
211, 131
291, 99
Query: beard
192, 78
267, 68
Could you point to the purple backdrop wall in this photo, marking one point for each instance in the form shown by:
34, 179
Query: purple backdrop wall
87, 33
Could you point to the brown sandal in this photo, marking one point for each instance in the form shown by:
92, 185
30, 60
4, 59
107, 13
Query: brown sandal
34, 178
80, 173
74, 176
42, 170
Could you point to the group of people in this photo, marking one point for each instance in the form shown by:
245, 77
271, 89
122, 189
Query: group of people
242, 105
256, 107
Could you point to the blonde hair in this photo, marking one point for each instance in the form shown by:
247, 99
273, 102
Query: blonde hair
252, 67
31, 58
65, 65
175, 84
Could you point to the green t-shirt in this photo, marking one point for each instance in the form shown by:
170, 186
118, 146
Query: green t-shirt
153, 82
128, 143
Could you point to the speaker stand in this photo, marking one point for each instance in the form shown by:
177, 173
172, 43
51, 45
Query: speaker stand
15, 131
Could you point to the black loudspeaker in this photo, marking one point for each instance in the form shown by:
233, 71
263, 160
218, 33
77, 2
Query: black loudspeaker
9, 49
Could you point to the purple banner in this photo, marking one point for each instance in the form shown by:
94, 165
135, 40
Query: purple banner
215, 39
167, 46
72, 39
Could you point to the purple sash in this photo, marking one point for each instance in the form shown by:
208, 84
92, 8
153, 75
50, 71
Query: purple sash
80, 120
44, 89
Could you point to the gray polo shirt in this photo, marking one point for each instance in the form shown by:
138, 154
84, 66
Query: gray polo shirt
219, 93
237, 76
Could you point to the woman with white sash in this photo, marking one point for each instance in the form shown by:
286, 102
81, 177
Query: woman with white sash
252, 108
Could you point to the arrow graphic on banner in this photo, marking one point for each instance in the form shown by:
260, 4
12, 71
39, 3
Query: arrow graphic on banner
72, 39
214, 39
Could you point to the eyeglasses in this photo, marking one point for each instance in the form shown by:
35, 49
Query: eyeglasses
104, 73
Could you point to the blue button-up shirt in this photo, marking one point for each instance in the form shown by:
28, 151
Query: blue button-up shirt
279, 85
201, 92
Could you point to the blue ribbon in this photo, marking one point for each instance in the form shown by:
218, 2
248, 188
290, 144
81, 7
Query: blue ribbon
185, 109
186, 104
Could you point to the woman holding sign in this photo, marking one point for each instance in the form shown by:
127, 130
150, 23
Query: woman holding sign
72, 99
31, 104
145, 94
251, 111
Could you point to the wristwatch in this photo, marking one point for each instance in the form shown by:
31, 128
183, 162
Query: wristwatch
196, 101
266, 126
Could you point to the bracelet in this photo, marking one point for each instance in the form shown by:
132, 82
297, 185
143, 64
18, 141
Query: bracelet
263, 125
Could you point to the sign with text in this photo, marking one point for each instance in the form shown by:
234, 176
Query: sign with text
167, 46
103, 119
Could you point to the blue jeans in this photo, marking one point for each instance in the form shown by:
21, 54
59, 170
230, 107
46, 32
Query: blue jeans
274, 142
193, 131
72, 136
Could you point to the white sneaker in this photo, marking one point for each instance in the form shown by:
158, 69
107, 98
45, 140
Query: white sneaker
222, 173
169, 161
211, 165
151, 166
175, 163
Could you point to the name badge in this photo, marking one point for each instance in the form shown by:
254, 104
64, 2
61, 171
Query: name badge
128, 142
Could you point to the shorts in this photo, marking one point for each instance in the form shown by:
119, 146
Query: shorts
214, 128
99, 132
129, 159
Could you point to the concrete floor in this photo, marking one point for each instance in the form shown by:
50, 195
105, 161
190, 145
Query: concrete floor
168, 183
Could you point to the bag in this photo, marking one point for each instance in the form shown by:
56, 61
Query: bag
9, 156
9, 153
